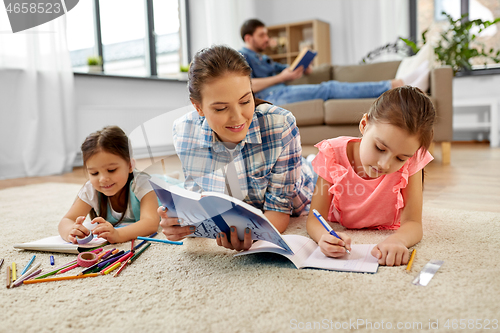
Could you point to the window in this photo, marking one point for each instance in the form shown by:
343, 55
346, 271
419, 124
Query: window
430, 17
133, 38
80, 35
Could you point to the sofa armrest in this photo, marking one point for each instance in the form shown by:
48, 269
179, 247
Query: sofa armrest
441, 89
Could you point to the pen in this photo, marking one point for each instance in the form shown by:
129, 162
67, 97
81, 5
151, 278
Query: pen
327, 226
159, 240
410, 262
28, 265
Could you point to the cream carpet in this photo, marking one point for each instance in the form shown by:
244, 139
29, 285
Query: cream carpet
199, 287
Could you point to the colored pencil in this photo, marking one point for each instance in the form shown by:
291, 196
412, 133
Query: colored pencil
112, 268
68, 269
132, 245
61, 278
99, 265
1, 263
103, 268
57, 269
410, 262
139, 253
111, 259
121, 268
14, 272
159, 240
100, 256
98, 250
25, 278
144, 242
30, 271
28, 265
8, 276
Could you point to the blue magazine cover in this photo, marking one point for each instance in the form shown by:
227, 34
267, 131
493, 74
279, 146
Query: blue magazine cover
212, 212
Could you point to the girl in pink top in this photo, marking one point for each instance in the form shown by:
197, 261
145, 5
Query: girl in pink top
376, 181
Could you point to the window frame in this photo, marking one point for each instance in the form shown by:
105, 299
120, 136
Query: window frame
464, 9
184, 32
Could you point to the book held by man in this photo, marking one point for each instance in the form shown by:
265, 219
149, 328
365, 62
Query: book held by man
212, 213
307, 254
305, 57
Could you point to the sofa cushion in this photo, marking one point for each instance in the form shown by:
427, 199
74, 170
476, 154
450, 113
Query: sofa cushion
319, 74
307, 112
367, 72
346, 111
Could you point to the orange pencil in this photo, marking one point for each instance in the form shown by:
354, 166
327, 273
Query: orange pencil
8, 276
62, 278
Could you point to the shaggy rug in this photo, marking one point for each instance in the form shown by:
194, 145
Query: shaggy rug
200, 287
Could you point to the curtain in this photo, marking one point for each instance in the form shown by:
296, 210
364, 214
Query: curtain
37, 125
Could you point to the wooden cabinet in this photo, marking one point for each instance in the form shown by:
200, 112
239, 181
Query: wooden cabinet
286, 41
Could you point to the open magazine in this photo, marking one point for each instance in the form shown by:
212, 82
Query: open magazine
212, 213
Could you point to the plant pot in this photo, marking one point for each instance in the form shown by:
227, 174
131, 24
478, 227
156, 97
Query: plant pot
95, 69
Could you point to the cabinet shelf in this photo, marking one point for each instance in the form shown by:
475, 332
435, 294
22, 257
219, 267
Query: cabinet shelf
290, 38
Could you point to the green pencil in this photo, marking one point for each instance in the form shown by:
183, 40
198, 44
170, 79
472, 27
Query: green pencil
139, 253
56, 270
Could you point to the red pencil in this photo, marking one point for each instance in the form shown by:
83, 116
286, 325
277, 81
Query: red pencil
68, 269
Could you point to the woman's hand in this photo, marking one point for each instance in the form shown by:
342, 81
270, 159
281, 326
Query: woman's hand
78, 230
333, 247
235, 243
106, 230
171, 227
391, 252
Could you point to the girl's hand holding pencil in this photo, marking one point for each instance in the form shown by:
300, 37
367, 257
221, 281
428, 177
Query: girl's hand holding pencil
333, 247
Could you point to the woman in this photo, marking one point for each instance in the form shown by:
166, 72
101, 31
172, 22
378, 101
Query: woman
235, 144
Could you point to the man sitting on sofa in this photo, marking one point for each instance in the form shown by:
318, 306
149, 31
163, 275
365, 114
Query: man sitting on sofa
269, 77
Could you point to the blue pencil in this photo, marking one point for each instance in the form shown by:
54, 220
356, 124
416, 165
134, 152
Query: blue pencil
28, 265
144, 242
159, 240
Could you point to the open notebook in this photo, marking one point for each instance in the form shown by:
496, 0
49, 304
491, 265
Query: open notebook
57, 244
307, 254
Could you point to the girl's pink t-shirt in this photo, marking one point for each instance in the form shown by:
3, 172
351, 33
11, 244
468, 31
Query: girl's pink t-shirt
363, 203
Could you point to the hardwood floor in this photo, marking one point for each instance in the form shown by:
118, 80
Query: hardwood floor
471, 181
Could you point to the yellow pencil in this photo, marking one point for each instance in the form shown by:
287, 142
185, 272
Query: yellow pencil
110, 269
62, 278
410, 262
14, 271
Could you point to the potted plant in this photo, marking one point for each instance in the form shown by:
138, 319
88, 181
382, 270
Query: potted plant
455, 47
95, 64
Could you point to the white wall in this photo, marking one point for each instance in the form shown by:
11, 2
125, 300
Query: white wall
128, 103
356, 26
218, 22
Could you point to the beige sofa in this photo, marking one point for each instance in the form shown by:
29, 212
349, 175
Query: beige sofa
318, 119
